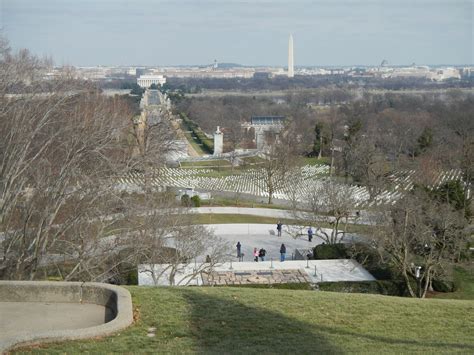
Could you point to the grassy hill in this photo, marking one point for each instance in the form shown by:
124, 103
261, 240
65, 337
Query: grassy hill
241, 320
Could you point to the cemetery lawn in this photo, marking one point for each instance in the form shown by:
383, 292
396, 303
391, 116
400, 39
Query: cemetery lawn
224, 320
205, 163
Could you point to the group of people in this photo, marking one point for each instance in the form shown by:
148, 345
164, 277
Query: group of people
260, 253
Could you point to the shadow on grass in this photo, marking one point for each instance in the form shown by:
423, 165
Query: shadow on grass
221, 325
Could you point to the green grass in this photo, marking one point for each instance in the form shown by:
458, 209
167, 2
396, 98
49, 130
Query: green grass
235, 202
316, 161
189, 136
224, 320
464, 279
252, 160
206, 163
215, 218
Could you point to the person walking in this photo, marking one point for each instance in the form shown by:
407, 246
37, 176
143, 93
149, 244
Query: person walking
239, 250
279, 225
282, 252
310, 234
261, 253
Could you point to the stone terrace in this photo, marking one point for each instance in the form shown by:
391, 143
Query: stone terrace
255, 277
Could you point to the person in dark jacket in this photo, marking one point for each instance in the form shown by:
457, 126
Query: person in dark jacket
279, 226
310, 234
262, 252
239, 249
282, 252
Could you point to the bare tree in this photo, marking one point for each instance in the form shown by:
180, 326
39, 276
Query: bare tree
330, 204
279, 162
233, 135
170, 244
420, 237
64, 154
368, 166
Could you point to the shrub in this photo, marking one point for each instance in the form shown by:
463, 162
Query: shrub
385, 287
330, 251
369, 258
196, 200
443, 286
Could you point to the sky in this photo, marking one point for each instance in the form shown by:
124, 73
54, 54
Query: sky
249, 32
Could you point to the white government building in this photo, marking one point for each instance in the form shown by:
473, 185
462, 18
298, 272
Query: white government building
145, 81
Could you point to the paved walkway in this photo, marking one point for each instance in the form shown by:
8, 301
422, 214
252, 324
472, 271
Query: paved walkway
264, 236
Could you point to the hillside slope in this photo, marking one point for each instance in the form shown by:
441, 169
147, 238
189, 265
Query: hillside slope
241, 320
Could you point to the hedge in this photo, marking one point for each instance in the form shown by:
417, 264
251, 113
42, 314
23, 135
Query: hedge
330, 251
207, 143
379, 287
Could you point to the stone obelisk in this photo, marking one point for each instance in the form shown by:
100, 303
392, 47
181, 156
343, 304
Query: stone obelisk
291, 70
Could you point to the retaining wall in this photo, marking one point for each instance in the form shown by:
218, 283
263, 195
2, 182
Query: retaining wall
116, 299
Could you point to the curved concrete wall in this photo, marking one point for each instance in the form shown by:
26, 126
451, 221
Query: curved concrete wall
116, 299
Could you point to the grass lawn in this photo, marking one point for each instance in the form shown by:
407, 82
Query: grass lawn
215, 218
206, 163
192, 141
252, 160
223, 320
316, 161
235, 202
464, 278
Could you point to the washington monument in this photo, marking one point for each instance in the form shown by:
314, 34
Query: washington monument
291, 71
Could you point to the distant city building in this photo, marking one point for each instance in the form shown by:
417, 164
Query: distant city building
262, 75
291, 69
267, 120
145, 81
211, 73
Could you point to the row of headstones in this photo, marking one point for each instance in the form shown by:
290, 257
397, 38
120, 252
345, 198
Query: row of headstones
248, 183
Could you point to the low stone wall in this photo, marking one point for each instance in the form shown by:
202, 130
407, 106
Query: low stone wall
116, 299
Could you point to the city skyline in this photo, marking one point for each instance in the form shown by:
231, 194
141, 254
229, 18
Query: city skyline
165, 33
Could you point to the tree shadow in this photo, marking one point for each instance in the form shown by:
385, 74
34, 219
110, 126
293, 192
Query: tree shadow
225, 325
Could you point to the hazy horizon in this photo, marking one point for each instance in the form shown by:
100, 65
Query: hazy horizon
184, 32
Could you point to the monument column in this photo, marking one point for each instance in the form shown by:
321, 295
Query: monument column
291, 71
218, 142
